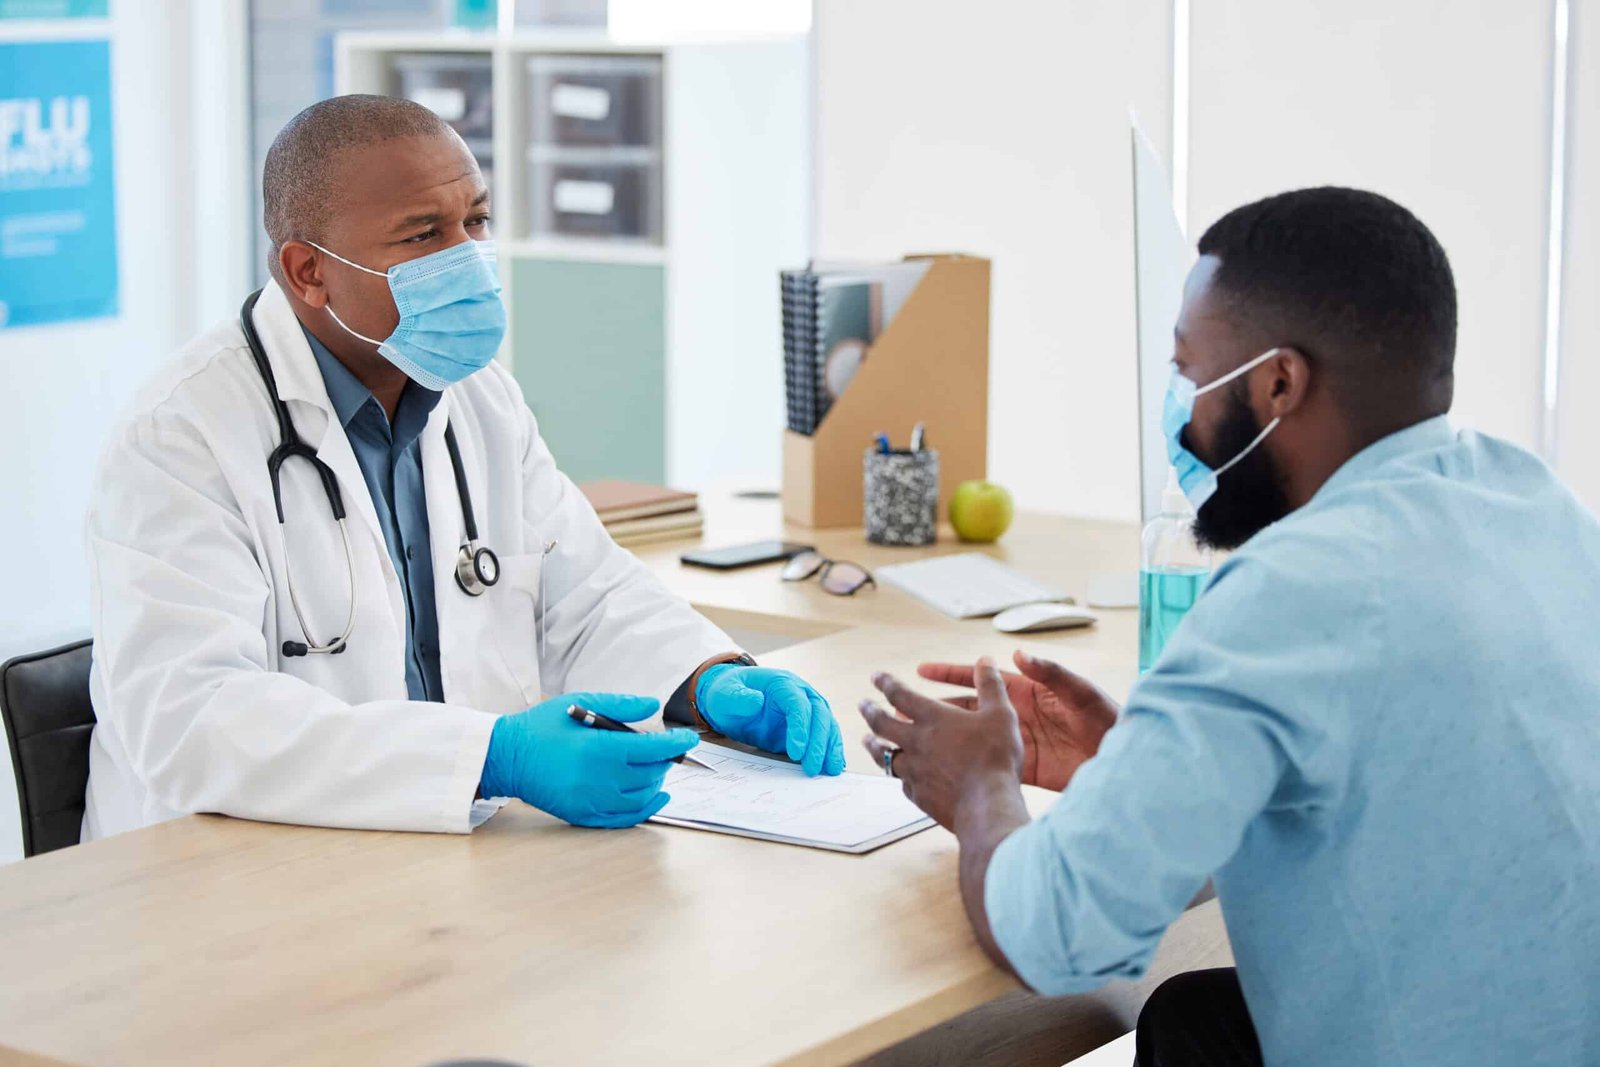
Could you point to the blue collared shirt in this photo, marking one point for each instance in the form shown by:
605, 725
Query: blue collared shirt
390, 457
1379, 729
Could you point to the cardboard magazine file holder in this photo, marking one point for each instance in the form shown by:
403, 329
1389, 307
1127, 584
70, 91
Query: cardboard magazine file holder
931, 365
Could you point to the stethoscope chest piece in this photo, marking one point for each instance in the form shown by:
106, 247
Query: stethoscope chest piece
477, 569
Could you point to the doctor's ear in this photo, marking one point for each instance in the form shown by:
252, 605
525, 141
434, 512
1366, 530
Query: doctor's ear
301, 271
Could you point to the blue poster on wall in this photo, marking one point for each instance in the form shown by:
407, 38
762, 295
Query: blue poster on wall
58, 227
52, 9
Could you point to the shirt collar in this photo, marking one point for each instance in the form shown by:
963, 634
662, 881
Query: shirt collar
349, 396
1425, 436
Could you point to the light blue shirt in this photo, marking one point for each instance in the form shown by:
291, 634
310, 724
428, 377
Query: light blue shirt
390, 457
1379, 729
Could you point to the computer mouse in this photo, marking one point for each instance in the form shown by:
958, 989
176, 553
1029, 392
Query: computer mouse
1032, 618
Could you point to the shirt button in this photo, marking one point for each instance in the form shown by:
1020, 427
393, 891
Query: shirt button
411, 552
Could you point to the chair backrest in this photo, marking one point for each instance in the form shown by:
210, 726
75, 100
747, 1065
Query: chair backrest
44, 700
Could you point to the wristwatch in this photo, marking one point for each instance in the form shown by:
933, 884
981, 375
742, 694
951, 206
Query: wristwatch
701, 723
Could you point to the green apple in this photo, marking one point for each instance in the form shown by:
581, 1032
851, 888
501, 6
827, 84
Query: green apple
980, 511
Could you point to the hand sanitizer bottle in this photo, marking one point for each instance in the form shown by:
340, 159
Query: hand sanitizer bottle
1172, 571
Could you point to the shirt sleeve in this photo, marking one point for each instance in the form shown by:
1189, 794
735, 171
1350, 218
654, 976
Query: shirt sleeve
1248, 709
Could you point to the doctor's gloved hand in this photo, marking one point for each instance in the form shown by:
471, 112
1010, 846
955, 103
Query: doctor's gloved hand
775, 711
585, 776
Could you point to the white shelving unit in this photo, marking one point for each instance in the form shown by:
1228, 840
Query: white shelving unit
656, 355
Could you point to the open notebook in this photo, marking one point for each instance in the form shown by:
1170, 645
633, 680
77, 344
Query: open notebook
753, 796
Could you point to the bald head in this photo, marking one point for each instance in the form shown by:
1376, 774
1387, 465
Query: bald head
303, 183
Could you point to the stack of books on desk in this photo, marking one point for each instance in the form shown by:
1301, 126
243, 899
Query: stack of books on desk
637, 514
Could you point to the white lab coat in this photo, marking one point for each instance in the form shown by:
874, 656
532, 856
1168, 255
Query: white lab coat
198, 710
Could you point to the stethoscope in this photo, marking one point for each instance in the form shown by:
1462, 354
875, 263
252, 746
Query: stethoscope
477, 568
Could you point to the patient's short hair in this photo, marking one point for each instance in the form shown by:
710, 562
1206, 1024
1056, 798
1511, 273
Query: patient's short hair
1357, 283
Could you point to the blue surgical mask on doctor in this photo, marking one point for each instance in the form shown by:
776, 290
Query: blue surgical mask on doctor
451, 318
1197, 479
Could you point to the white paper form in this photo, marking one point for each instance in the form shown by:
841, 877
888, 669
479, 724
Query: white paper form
767, 798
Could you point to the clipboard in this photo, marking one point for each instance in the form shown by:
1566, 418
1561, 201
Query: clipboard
767, 799
859, 849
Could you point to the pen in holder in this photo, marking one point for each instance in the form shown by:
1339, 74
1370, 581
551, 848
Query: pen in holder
901, 502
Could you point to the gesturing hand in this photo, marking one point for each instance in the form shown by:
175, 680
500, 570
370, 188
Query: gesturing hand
961, 765
953, 762
1061, 715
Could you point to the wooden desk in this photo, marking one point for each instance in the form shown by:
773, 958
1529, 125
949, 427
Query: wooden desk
211, 940
1059, 551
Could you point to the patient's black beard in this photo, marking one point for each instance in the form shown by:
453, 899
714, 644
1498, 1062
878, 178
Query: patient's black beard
1249, 496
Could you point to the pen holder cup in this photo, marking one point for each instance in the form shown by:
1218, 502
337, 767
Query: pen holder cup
901, 502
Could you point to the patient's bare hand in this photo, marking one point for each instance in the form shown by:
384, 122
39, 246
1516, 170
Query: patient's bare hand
1062, 715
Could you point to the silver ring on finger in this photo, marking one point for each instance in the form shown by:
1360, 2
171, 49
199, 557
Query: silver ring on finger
888, 761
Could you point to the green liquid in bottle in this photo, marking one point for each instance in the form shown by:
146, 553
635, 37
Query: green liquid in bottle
1165, 597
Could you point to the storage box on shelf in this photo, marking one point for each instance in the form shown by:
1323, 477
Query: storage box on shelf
590, 192
595, 100
459, 87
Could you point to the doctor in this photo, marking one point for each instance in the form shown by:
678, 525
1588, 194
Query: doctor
259, 656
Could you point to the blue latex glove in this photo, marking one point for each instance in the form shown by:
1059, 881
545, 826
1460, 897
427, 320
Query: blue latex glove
775, 711
586, 776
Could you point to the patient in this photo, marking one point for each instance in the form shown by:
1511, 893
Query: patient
1377, 730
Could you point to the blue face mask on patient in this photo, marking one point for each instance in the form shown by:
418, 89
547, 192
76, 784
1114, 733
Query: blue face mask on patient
451, 318
1195, 476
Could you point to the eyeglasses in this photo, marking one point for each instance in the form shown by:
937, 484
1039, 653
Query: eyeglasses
839, 577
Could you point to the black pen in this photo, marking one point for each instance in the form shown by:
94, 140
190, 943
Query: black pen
604, 722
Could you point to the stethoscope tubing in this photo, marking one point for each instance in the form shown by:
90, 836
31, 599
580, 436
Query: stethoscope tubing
477, 568
337, 645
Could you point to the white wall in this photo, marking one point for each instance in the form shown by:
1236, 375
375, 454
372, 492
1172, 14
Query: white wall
738, 181
1578, 418
1442, 105
705, 20
67, 381
1002, 129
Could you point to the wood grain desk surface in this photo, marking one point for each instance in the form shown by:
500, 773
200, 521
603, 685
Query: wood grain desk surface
212, 940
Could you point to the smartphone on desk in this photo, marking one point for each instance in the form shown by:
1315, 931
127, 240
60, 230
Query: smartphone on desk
736, 556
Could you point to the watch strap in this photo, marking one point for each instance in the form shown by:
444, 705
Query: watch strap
743, 659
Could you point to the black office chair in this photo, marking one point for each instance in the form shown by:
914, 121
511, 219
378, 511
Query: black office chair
44, 700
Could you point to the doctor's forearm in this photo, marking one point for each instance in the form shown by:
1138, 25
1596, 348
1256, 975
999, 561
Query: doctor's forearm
985, 817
